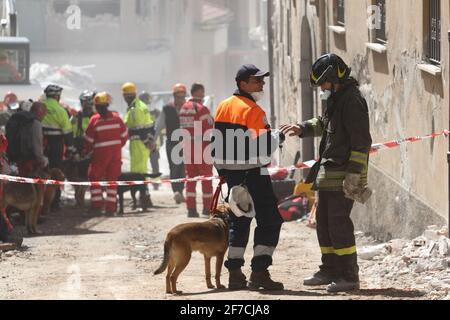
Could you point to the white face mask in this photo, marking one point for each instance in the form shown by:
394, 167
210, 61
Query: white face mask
325, 95
257, 96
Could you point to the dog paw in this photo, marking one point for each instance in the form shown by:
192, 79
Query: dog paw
221, 287
178, 293
210, 286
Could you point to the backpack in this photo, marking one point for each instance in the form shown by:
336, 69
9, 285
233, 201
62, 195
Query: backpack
19, 133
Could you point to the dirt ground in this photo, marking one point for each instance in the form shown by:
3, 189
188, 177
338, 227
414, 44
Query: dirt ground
114, 258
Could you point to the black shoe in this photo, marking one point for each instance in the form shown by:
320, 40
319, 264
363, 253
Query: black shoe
342, 285
205, 213
263, 280
318, 279
192, 213
237, 280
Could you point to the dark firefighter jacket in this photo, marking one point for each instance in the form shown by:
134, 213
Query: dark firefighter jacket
346, 139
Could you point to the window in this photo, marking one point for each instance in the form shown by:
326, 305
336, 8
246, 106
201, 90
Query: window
380, 30
339, 9
13, 66
434, 32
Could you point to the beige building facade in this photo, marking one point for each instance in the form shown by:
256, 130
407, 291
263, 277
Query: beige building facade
399, 52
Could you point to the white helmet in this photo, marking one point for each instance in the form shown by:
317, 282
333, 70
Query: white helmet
241, 202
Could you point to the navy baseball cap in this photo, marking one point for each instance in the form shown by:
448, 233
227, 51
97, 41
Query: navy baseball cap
248, 70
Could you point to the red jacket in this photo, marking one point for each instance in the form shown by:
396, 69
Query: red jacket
195, 118
106, 135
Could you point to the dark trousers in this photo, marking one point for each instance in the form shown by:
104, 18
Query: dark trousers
54, 151
176, 170
4, 234
269, 221
154, 161
335, 232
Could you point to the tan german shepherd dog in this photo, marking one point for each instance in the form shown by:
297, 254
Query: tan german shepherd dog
27, 198
210, 238
50, 190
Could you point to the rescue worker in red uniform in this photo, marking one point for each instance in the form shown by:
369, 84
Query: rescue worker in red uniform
105, 137
197, 120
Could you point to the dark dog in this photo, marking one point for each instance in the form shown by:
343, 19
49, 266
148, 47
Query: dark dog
210, 238
76, 171
144, 198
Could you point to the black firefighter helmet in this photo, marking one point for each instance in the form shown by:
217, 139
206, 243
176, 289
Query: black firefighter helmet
329, 68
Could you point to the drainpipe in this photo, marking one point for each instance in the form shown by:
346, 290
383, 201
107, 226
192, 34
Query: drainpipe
273, 117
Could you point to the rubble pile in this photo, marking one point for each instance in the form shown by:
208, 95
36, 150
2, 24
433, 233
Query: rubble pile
67, 76
421, 264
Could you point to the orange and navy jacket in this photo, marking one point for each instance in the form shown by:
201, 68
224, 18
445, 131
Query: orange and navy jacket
105, 134
237, 115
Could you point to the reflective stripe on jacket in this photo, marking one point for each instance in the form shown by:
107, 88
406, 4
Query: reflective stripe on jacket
241, 116
105, 135
346, 139
56, 122
140, 122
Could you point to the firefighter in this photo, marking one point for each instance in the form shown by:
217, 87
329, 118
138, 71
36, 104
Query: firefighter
196, 118
170, 120
242, 114
57, 133
340, 175
105, 137
140, 126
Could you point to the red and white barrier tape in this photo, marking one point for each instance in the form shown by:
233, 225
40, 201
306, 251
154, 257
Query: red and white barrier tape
299, 166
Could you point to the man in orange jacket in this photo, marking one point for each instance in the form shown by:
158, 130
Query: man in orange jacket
245, 164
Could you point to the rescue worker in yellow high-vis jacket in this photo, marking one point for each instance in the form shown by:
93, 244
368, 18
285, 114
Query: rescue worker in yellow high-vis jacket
141, 130
57, 133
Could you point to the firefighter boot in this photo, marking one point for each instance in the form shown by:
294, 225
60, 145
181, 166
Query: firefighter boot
262, 279
237, 280
343, 285
192, 213
318, 279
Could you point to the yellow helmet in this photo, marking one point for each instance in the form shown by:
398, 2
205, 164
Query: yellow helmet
129, 88
102, 98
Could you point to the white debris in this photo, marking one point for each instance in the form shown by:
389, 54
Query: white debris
368, 253
67, 76
443, 246
420, 264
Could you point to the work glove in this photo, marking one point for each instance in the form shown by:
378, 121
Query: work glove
354, 190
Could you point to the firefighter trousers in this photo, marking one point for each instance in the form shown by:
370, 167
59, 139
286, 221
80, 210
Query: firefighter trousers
195, 170
268, 220
105, 166
335, 232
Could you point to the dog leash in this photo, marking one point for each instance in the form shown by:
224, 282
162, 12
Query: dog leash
215, 200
